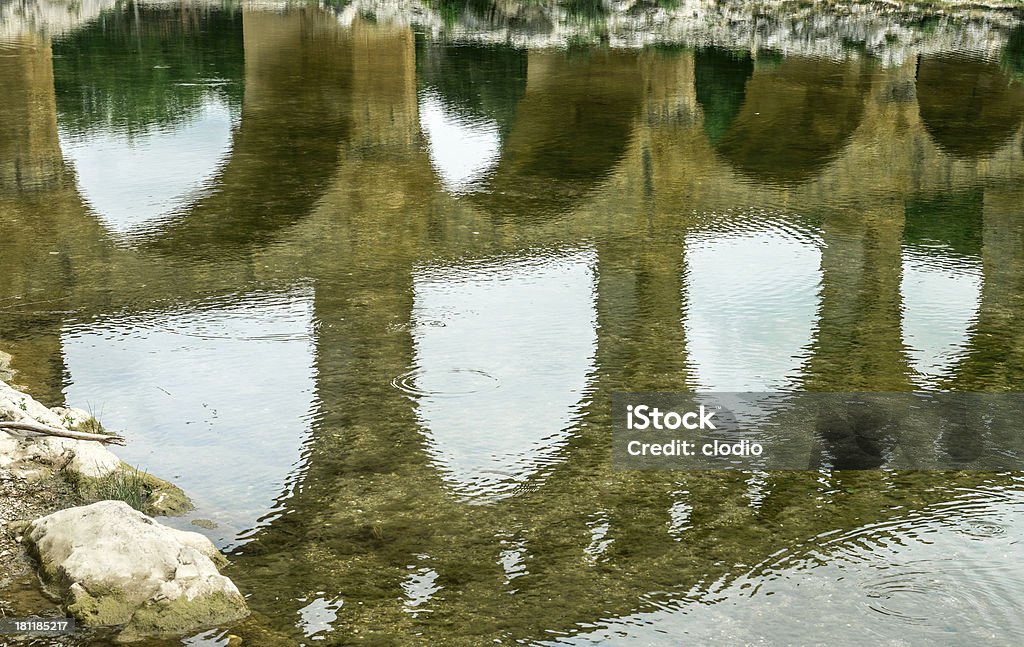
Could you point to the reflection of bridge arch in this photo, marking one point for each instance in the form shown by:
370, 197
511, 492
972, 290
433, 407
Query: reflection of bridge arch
282, 154
468, 97
143, 135
565, 128
379, 68
246, 207
992, 358
779, 122
560, 122
969, 106
288, 143
941, 278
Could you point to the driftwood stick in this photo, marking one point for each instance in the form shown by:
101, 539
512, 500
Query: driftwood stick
46, 430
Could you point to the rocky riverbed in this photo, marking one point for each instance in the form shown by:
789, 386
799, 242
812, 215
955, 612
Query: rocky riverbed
22, 499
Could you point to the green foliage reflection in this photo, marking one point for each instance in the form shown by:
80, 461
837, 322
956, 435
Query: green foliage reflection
139, 68
944, 224
1013, 55
721, 77
477, 82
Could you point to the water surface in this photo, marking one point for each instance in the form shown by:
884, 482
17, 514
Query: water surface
363, 285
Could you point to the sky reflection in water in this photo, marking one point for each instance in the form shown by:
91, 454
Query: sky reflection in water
201, 390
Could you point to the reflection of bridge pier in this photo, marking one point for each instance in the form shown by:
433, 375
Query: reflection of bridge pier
640, 315
41, 220
30, 158
384, 89
369, 496
995, 356
858, 343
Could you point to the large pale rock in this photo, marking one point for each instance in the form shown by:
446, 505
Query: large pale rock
26, 452
114, 565
70, 416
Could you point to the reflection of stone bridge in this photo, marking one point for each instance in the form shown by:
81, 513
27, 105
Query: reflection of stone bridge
331, 163
642, 136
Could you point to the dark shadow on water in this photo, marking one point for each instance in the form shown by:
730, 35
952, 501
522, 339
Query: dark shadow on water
571, 131
946, 224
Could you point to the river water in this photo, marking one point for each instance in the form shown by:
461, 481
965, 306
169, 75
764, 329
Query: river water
362, 280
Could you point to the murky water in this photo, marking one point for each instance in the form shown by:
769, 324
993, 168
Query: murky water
363, 286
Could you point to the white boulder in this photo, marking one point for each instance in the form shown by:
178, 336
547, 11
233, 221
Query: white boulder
114, 565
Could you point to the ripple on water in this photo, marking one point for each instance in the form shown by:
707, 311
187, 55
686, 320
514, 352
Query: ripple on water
954, 587
980, 529
938, 594
947, 572
10, 47
456, 382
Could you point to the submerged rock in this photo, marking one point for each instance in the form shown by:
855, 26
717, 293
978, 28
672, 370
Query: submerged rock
113, 565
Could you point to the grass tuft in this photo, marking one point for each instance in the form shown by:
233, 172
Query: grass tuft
128, 485
92, 426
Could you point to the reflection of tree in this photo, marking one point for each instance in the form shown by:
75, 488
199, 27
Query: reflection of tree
1013, 55
485, 81
720, 77
532, 17
951, 223
586, 9
178, 56
453, 11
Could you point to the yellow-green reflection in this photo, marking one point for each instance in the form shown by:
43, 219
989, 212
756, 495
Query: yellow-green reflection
619, 190
796, 117
969, 106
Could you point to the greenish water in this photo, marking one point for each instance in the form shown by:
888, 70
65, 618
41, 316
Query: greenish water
364, 291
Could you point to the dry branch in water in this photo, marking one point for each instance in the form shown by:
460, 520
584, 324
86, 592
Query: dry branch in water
46, 430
